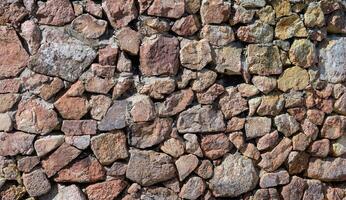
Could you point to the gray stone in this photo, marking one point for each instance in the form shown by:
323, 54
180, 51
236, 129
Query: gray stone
115, 117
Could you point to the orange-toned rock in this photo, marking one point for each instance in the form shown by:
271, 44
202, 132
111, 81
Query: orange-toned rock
108, 190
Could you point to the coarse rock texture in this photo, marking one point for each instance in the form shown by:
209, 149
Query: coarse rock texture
172, 99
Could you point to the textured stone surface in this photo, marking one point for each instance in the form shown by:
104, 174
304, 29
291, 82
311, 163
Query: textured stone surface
55, 13
61, 55
195, 55
264, 59
36, 183
120, 13
23, 141
236, 175
156, 167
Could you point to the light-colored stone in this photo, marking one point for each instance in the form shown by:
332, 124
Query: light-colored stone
294, 78
195, 55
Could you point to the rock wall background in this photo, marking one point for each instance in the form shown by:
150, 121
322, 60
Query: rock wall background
172, 99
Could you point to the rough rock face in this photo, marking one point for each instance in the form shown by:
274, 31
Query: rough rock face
236, 175
61, 55
172, 99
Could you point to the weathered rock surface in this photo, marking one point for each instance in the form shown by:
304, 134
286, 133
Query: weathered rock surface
236, 175
23, 143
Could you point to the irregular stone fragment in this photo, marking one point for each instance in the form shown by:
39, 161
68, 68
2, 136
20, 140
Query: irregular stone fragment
7, 101
217, 35
94, 9
155, 167
59, 159
47, 144
69, 192
14, 56
334, 127
295, 189
215, 11
280, 177
336, 22
87, 170
36, 183
268, 141
264, 84
80, 142
315, 116
129, 40
157, 87
55, 13
47, 91
12, 13
332, 64
32, 35
339, 146
228, 60
340, 105
23, 143
319, 148
72, 107
205, 169
195, 54
274, 159
99, 105
192, 145
200, 119
159, 55
173, 147
159, 193
115, 118
175, 103
79, 127
252, 124
281, 7
294, 78
256, 33
271, 105
235, 176
314, 190
88, 26
251, 3
301, 142
263, 59
120, 12
286, 124
205, 78
171, 9
314, 16
290, 26
185, 165
241, 15
10, 85
107, 190
302, 53
192, 6
117, 169
193, 188
186, 26
232, 104
249, 150
26, 164
267, 15
141, 108
247, 90
61, 55
153, 25
109, 147
187, 76
297, 162
210, 95
215, 146
108, 55
5, 122
147, 134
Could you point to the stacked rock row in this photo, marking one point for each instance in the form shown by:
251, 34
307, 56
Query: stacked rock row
172, 99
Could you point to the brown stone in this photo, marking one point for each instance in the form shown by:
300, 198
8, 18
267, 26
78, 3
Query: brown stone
215, 11
72, 107
109, 147
171, 9
195, 55
99, 105
173, 147
334, 127
87, 170
228, 60
215, 146
186, 26
250, 150
47, 91
59, 159
315, 190
26, 164
108, 55
107, 190
10, 85
120, 12
271, 105
319, 148
47, 144
235, 124
256, 33
141, 108
241, 15
300, 142
274, 159
89, 27
14, 56
290, 26
204, 79
205, 169
232, 103
302, 53
175, 103
185, 165
147, 134
193, 188
208, 120
268, 141
280, 177
286, 124
115, 118
129, 40
55, 13
23, 143
159, 55
297, 162
217, 35
295, 189
210, 95
155, 167
252, 124
79, 127
7, 101
157, 87
36, 183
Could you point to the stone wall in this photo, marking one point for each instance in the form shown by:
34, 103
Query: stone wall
172, 99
